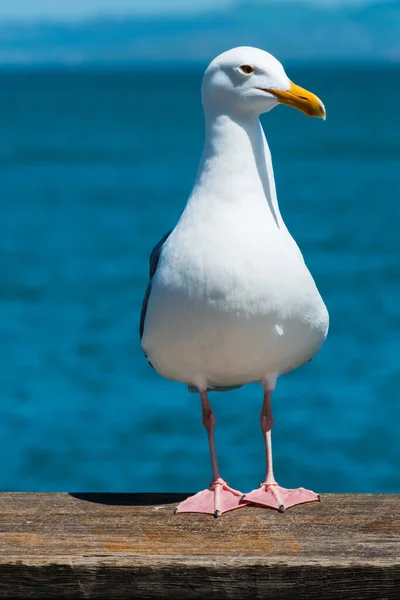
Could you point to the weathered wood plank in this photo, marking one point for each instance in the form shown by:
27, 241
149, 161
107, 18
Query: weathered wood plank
133, 546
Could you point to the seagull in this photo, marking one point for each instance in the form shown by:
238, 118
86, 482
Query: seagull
230, 300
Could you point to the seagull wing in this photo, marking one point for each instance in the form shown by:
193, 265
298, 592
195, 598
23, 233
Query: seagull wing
154, 260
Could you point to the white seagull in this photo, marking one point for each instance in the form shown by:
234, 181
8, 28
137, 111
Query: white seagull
230, 299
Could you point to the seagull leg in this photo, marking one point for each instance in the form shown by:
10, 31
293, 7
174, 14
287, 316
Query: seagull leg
218, 497
270, 493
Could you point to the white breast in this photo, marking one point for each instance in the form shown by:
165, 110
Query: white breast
231, 312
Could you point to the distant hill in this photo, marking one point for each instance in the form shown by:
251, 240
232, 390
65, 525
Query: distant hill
293, 32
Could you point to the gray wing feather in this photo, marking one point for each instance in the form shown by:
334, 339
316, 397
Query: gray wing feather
154, 260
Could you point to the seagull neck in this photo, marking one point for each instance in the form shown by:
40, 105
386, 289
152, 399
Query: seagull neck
236, 163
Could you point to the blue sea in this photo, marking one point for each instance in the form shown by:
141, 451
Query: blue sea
95, 166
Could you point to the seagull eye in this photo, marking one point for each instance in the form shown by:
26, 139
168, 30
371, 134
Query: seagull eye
247, 69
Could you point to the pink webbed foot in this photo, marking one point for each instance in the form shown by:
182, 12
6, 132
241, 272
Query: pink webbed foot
215, 500
275, 496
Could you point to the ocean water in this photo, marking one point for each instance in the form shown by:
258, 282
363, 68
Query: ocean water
94, 167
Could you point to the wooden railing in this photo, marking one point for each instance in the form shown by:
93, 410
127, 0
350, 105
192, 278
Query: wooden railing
133, 546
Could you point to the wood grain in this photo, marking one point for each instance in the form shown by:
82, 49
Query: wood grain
133, 546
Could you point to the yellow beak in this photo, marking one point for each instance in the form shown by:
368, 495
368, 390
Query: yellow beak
301, 99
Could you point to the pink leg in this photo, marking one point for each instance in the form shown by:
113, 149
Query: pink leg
218, 497
270, 493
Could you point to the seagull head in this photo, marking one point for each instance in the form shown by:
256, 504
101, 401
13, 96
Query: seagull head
249, 81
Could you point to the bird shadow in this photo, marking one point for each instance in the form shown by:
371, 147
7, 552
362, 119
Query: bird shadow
126, 499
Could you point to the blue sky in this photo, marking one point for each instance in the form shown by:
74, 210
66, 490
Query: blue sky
56, 9
80, 8
63, 32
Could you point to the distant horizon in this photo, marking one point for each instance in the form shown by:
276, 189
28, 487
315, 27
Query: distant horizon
351, 31
193, 67
46, 10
